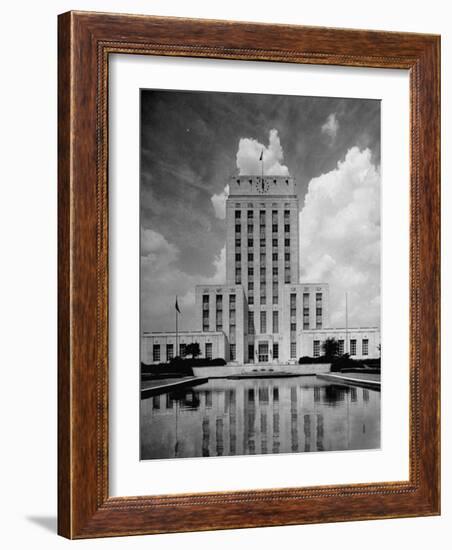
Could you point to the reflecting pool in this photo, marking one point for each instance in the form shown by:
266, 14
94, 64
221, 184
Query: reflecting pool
259, 416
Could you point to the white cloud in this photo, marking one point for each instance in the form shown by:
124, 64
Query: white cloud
331, 126
219, 203
162, 280
340, 237
249, 152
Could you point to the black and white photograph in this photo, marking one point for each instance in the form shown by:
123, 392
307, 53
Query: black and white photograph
260, 274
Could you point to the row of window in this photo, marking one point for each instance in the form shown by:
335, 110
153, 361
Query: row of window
218, 312
262, 242
262, 214
275, 276
262, 257
352, 351
238, 228
156, 355
263, 322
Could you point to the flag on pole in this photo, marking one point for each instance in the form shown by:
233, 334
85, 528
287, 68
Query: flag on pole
262, 155
177, 306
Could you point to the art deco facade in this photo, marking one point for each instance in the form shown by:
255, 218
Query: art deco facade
262, 314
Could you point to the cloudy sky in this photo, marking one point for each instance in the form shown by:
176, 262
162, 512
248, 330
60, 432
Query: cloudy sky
193, 142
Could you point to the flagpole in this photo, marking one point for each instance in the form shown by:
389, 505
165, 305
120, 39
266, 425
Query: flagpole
177, 334
262, 166
346, 322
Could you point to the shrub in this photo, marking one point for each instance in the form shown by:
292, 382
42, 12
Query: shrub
345, 363
306, 360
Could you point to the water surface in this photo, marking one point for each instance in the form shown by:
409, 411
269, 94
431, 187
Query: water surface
246, 417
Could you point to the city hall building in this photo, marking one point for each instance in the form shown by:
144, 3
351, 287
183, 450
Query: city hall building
262, 314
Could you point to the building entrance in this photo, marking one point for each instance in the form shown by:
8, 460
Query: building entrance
263, 352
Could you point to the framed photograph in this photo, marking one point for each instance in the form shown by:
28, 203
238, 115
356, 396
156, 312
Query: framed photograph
248, 275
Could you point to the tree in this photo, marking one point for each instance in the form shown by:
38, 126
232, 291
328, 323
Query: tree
330, 348
193, 349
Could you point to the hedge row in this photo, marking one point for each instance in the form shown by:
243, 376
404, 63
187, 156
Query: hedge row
179, 366
306, 360
345, 363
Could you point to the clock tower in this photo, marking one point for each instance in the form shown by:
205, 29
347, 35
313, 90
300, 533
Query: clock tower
262, 243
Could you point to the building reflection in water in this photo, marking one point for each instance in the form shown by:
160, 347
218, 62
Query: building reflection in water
246, 417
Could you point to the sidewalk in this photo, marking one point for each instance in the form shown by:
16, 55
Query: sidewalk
363, 379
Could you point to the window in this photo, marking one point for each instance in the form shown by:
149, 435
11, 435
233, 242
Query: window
232, 352
238, 257
293, 350
250, 271
287, 275
293, 327
262, 258
208, 350
205, 320
238, 275
262, 242
250, 322
352, 347
156, 352
250, 243
238, 214
340, 347
286, 214
250, 257
250, 352
286, 242
275, 256
238, 243
275, 228
306, 322
238, 228
182, 348
263, 322
263, 299
293, 304
275, 351
316, 348
250, 285
275, 322
169, 352
365, 346
274, 216
250, 228
219, 312
306, 301
250, 299
275, 298
318, 322
287, 257
231, 302
262, 216
275, 243
287, 228
250, 214
205, 301
275, 271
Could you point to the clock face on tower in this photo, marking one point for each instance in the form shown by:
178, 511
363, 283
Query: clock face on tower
262, 185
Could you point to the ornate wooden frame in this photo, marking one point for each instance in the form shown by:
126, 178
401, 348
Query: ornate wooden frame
85, 42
